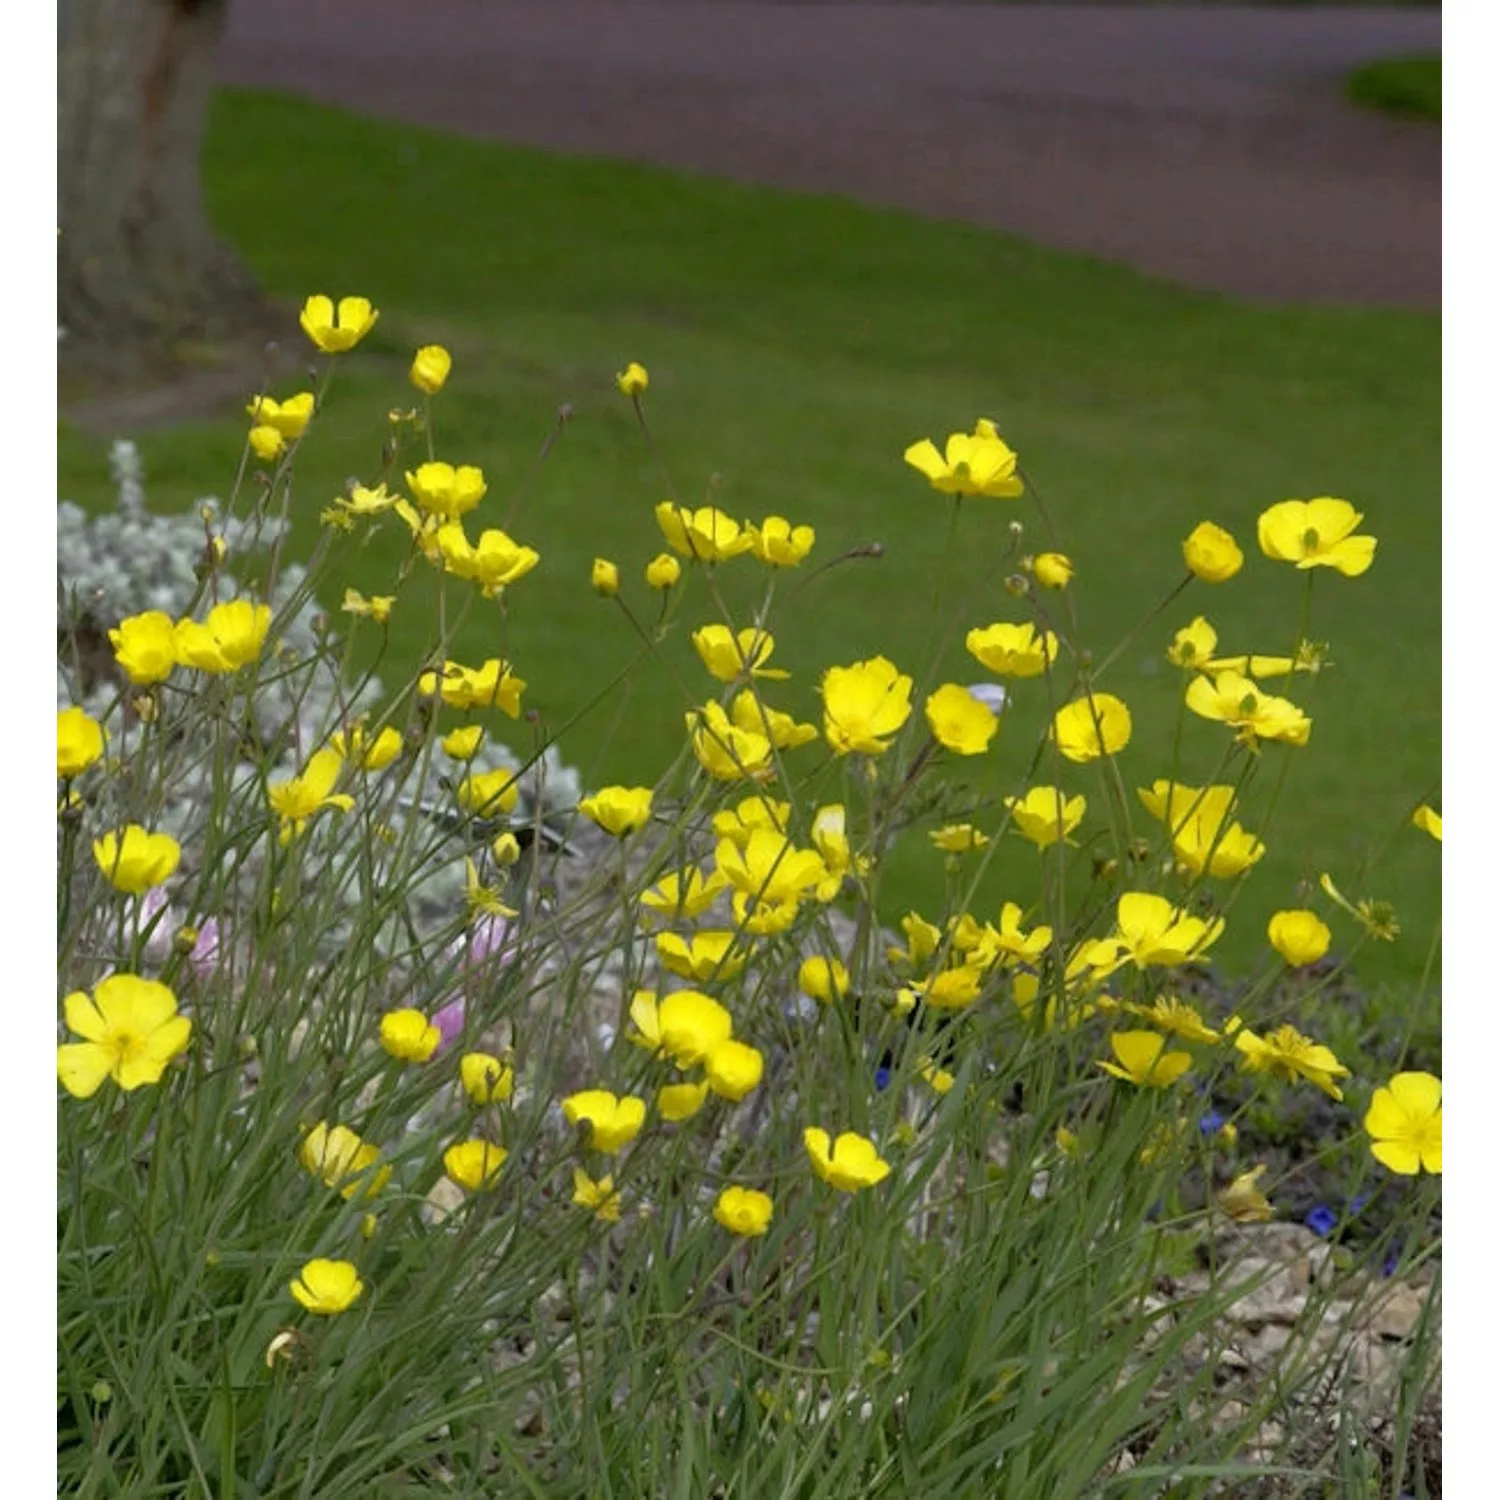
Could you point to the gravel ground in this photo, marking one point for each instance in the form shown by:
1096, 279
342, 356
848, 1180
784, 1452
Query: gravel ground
1209, 146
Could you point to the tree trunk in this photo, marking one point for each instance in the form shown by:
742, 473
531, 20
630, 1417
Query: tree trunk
140, 274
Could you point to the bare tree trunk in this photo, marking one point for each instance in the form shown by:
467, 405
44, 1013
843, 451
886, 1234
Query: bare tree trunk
139, 271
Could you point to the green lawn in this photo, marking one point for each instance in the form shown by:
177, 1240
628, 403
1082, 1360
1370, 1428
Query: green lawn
796, 346
1408, 86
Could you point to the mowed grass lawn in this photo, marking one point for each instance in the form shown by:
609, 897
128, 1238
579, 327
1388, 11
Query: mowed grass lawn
796, 346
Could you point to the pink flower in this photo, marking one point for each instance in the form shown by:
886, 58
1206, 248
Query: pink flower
449, 1020
162, 922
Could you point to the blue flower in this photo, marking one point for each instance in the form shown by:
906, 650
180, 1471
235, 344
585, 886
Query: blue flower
1211, 1122
1392, 1260
1322, 1219
882, 1078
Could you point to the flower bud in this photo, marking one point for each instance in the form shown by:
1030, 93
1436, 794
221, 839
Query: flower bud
430, 367
605, 578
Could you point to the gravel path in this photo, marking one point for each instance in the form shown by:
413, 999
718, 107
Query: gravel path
1210, 146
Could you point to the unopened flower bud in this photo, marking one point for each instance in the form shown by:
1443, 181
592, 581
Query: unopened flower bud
605, 578
506, 850
185, 939
101, 1393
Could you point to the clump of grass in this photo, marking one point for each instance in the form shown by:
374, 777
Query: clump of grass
1411, 87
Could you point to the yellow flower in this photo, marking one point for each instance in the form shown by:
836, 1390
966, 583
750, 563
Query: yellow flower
494, 562
1405, 1121
823, 979
952, 989
779, 544
295, 799
1053, 570
505, 850
730, 655
1235, 700
747, 712
723, 749
289, 417
369, 755
1012, 650
686, 1026
1316, 534
447, 492
1197, 819
738, 823
489, 794
1243, 1200
365, 502
1299, 936
599, 1196
1262, 666
80, 742
1211, 553
130, 1030
493, 685
632, 380
1429, 821
939, 1079
1193, 645
977, 463
145, 647
1286, 1053
680, 1101
677, 896
486, 1079
377, 607
769, 868
849, 1163
336, 331
462, 744
1150, 930
1087, 728
618, 810
408, 1035
704, 957
663, 571
959, 721
430, 368
864, 706
612, 1122
475, 1164
135, 860
327, 1287
733, 1069
705, 535
338, 1158
604, 578
744, 1211
1143, 1059
958, 838
1044, 815
1177, 1017
1009, 943
266, 443
232, 636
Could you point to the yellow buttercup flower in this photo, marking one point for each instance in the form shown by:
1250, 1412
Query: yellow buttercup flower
682, 896
769, 868
1142, 1059
1286, 1053
1193, 645
737, 823
289, 417
1316, 534
475, 1164
823, 979
494, 562
134, 860
145, 647
486, 1079
130, 1030
850, 1163
1044, 815
1177, 1017
445, 491
408, 1035
377, 607
604, 578
1012, 650
231, 636
733, 1069
1405, 1123
705, 535
369, 754
80, 742
366, 502
723, 749
462, 744
1299, 936
703, 957
493, 685
1087, 728
1203, 838
680, 1101
959, 721
1243, 1200
977, 463
747, 712
1211, 553
864, 706
340, 1159
779, 544
430, 368
295, 799
633, 380
1052, 570
663, 571
612, 1123
328, 1287
744, 1211
337, 330
489, 794
1429, 820
1150, 931
958, 838
618, 810
1009, 943
266, 443
600, 1197
1236, 700
730, 655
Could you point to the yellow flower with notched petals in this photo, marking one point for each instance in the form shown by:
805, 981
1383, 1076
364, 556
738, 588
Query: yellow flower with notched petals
369, 754
744, 1211
489, 794
705, 534
959, 721
1012, 650
723, 749
612, 1123
486, 1079
864, 706
430, 368
445, 491
850, 1163
618, 810
80, 742
1044, 815
475, 1164
145, 647
1316, 534
1203, 838
1151, 931
328, 1287
977, 463
1211, 553
685, 1025
408, 1035
747, 712
1089, 727
958, 838
1405, 1123
337, 330
779, 544
730, 655
493, 685
134, 860
462, 744
703, 957
600, 1197
340, 1159
679, 895
1235, 700
680, 1101
289, 417
231, 636
295, 799
733, 1069
1193, 645
130, 1030
737, 823
494, 562
1142, 1059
